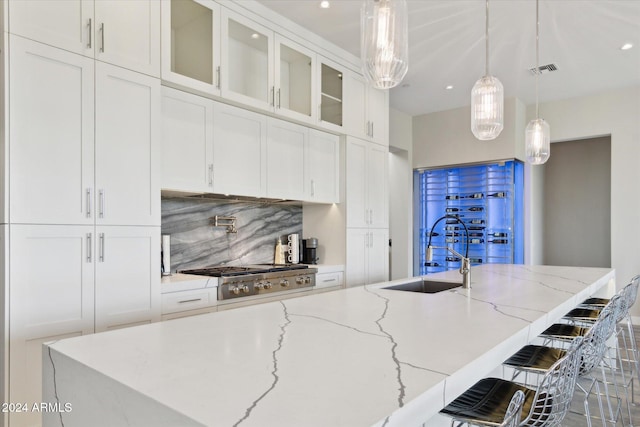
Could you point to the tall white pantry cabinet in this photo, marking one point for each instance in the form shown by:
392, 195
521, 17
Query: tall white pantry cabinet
81, 179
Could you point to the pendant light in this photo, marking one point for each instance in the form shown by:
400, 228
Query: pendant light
537, 134
487, 99
384, 42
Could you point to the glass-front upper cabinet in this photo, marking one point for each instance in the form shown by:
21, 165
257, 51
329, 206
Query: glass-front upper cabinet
191, 44
331, 93
295, 82
247, 55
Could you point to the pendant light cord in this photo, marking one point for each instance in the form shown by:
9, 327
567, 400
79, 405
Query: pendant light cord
537, 57
486, 38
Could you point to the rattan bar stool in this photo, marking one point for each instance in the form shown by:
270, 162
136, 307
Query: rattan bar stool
538, 359
486, 403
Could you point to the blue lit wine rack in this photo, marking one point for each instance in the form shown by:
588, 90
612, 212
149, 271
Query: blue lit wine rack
488, 198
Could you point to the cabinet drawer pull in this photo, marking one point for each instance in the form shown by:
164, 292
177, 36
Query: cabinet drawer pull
89, 25
278, 98
102, 37
89, 248
101, 208
101, 253
218, 83
329, 280
190, 300
88, 203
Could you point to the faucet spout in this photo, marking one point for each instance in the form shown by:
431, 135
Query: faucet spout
465, 264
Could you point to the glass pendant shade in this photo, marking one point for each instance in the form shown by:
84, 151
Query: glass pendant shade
537, 142
384, 42
487, 108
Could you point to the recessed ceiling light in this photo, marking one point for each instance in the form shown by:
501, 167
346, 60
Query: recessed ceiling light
626, 46
449, 87
255, 35
325, 4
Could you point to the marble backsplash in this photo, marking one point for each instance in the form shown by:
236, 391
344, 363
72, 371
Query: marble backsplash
196, 243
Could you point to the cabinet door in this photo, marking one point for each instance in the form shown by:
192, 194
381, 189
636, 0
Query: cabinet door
377, 190
239, 151
128, 34
247, 61
286, 144
378, 255
294, 80
356, 123
127, 276
378, 115
191, 44
127, 147
356, 183
330, 99
51, 291
357, 256
187, 142
50, 135
323, 162
67, 24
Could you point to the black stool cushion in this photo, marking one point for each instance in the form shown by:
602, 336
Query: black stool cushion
535, 357
487, 401
596, 301
564, 331
583, 314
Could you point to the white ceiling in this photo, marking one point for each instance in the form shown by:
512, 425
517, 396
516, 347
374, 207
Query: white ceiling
446, 46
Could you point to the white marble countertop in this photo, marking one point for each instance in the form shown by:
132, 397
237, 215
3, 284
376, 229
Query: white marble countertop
178, 282
356, 357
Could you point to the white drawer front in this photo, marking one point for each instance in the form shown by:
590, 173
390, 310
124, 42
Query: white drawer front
325, 280
190, 300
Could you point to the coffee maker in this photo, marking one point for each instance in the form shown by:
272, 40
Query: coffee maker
310, 251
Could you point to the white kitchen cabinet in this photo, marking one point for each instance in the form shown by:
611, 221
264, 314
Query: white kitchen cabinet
191, 44
51, 296
366, 110
51, 135
367, 256
121, 33
322, 171
366, 184
127, 147
286, 145
239, 151
127, 288
187, 142
331, 85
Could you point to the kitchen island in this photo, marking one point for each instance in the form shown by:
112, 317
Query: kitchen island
355, 357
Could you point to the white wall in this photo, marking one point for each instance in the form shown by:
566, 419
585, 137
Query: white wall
400, 194
444, 138
615, 113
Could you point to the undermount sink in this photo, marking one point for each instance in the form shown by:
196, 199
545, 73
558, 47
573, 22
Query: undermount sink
425, 286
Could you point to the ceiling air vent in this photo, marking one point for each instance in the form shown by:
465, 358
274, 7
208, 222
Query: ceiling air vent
543, 69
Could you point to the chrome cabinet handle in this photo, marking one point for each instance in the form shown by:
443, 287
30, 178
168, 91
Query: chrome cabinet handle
88, 202
101, 253
371, 129
102, 207
211, 175
90, 25
218, 77
272, 100
102, 37
189, 300
89, 245
329, 280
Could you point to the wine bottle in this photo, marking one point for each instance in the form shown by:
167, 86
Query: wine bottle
475, 260
475, 227
452, 259
452, 209
431, 264
476, 221
476, 208
499, 241
476, 235
451, 227
451, 240
432, 234
498, 234
475, 196
453, 234
499, 194
452, 197
476, 241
